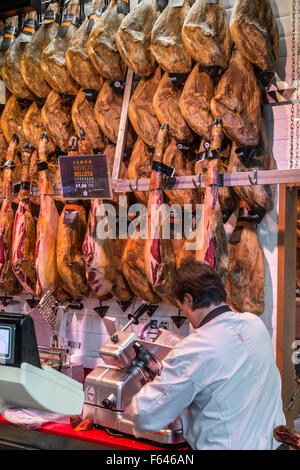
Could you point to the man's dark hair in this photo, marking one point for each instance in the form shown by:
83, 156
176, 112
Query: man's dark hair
201, 281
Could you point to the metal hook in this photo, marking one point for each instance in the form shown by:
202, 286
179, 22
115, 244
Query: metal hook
198, 183
136, 185
253, 182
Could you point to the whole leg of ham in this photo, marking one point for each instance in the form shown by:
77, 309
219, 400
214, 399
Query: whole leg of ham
47, 227
53, 59
30, 62
237, 102
210, 244
107, 111
57, 119
254, 30
250, 159
134, 269
11, 65
83, 117
133, 38
166, 41
8, 280
287, 437
24, 231
160, 260
70, 236
206, 35
96, 249
141, 112
101, 46
245, 283
77, 59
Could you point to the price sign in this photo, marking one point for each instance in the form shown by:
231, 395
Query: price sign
85, 177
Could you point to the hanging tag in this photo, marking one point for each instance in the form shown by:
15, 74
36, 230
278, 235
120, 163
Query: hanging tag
118, 87
93, 17
10, 34
29, 28
183, 147
161, 4
42, 165
176, 3
17, 188
70, 216
8, 164
90, 94
211, 2
245, 154
50, 17
162, 168
25, 185
177, 78
123, 6
66, 23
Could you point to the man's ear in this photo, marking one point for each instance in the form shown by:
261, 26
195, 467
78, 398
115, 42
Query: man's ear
188, 300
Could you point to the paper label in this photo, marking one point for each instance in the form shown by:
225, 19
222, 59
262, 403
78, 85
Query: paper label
85, 177
176, 3
123, 6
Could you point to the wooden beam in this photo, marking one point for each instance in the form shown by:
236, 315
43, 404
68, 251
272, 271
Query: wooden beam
286, 294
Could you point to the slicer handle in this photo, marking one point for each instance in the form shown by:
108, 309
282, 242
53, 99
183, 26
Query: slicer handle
138, 313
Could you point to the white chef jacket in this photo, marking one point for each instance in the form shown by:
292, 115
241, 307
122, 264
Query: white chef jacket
223, 383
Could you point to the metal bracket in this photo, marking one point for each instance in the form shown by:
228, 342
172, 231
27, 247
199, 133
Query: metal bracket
197, 184
136, 185
253, 182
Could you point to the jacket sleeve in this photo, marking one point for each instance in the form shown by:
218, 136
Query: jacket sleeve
160, 402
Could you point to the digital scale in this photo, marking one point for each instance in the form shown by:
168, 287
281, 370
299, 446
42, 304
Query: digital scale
24, 381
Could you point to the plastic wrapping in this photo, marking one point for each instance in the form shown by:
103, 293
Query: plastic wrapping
32, 419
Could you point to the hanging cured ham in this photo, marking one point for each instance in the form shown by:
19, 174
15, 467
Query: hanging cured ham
166, 107
8, 281
57, 119
10, 70
195, 101
83, 117
101, 47
53, 62
160, 261
166, 42
12, 119
141, 112
47, 227
30, 62
237, 102
77, 59
254, 31
209, 237
228, 199
72, 227
184, 164
249, 159
245, 282
108, 111
140, 167
134, 36
206, 35
134, 268
11, 31
33, 127
24, 231
96, 250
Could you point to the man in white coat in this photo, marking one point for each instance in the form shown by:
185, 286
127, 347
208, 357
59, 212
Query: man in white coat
221, 380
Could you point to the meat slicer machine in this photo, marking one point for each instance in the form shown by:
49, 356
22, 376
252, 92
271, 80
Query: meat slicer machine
130, 362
